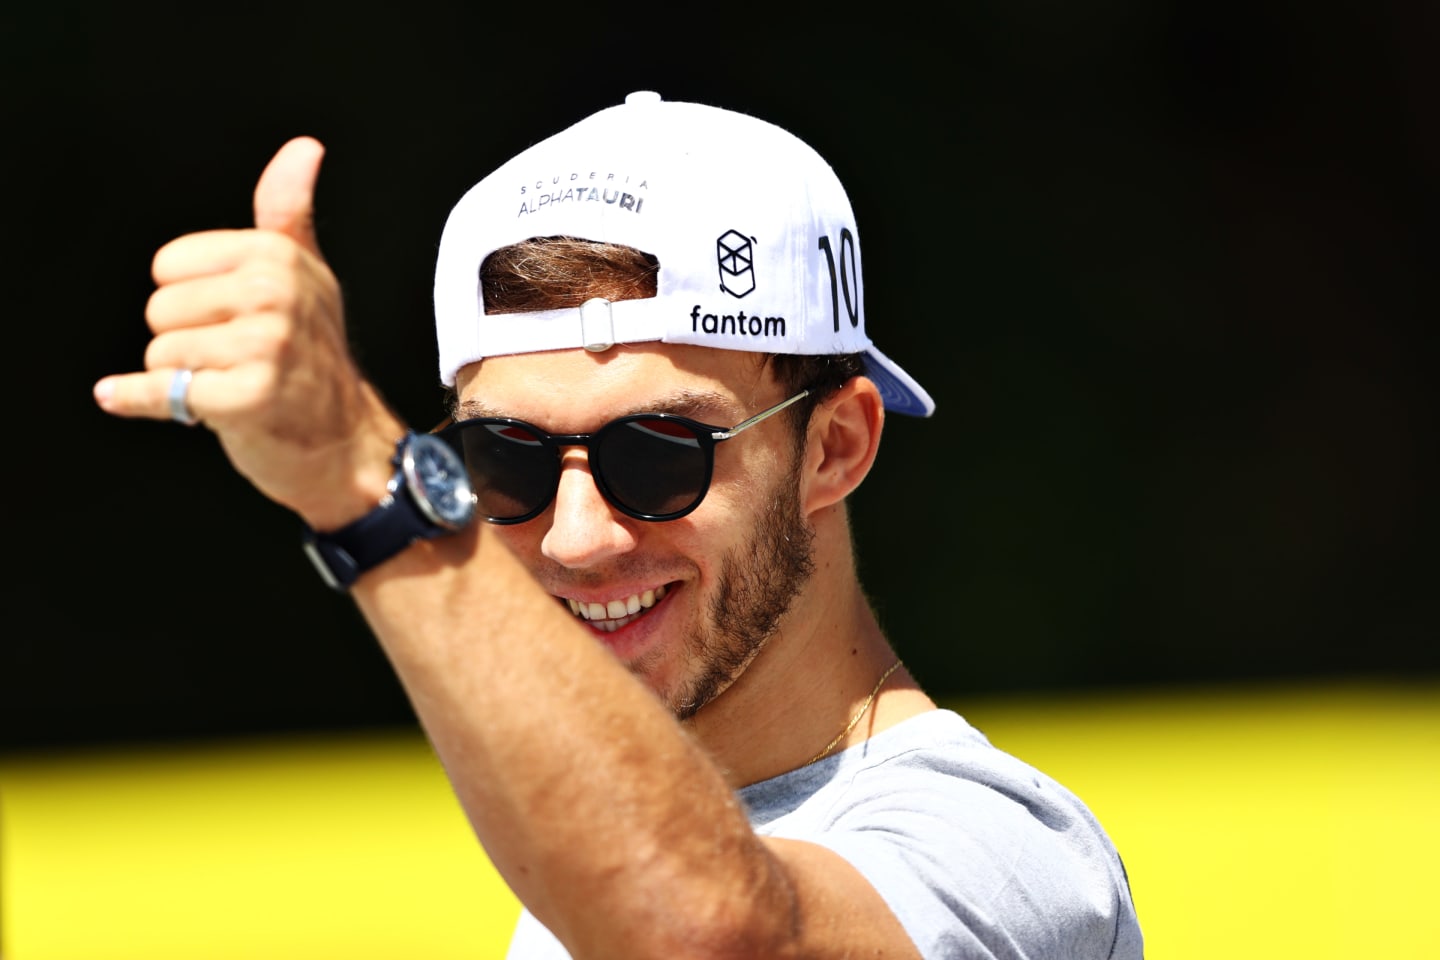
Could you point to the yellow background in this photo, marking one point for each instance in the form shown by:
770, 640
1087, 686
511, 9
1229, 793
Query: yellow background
1265, 822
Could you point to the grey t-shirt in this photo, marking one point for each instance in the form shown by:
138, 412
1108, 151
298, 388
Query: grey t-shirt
978, 854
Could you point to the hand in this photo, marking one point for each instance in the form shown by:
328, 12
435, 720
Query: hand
257, 316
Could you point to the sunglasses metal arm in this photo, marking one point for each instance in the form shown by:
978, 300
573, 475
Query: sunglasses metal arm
763, 414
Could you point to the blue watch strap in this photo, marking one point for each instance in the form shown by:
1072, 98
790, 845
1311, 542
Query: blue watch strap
342, 555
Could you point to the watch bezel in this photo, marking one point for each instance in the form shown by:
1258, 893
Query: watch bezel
422, 494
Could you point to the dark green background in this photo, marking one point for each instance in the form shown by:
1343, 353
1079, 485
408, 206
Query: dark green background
1167, 268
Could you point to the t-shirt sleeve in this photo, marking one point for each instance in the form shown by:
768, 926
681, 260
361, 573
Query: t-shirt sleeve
984, 862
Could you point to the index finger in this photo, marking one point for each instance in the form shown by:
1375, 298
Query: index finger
217, 251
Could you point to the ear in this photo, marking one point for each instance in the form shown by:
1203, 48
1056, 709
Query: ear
844, 437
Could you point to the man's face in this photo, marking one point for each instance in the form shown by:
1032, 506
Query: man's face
685, 604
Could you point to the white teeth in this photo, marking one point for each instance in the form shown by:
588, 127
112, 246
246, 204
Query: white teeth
616, 613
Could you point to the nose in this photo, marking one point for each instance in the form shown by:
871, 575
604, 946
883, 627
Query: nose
584, 529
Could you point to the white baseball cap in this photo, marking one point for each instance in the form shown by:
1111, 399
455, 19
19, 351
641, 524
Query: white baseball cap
754, 235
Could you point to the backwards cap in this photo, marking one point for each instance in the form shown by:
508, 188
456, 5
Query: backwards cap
754, 235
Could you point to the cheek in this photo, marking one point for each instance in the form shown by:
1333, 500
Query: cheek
722, 521
746, 480
522, 539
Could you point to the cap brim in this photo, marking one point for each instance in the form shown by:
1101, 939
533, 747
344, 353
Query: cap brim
898, 389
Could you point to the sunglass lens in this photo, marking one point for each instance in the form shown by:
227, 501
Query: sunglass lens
654, 466
513, 471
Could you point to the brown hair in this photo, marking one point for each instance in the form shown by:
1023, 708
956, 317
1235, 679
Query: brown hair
547, 273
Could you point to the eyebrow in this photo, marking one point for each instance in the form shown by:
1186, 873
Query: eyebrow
685, 403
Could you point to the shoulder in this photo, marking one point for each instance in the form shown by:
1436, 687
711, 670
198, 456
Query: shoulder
965, 841
935, 757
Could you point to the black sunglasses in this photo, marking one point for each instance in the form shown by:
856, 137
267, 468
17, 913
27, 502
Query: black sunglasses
650, 466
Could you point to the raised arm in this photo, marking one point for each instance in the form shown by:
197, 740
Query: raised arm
602, 812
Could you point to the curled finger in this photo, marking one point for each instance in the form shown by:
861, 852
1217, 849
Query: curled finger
222, 346
256, 287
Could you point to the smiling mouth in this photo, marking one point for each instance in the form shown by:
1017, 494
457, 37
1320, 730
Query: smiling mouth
612, 615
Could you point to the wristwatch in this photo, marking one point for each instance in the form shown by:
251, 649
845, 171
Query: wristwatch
429, 496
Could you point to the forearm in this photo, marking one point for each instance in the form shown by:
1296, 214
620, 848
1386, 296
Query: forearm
604, 817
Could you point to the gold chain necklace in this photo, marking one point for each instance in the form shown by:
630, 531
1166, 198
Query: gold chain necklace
856, 719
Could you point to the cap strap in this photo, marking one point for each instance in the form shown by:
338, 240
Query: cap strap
596, 325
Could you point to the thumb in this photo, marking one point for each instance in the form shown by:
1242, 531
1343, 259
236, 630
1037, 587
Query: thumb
285, 194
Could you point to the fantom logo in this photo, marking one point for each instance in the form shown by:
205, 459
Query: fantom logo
735, 254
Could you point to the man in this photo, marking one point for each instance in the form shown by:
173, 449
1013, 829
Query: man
652, 677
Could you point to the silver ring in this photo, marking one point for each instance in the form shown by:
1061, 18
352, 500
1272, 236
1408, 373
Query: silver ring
179, 407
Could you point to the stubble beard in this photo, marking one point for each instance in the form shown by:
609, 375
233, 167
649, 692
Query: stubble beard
757, 583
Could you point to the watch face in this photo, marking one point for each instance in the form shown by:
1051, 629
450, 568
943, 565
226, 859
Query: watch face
436, 476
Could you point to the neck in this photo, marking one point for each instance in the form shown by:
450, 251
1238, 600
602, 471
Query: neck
808, 683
